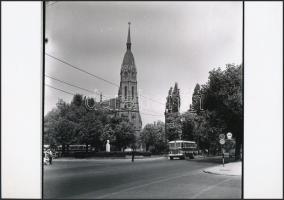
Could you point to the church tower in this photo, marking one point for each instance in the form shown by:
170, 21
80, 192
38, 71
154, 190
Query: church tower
128, 94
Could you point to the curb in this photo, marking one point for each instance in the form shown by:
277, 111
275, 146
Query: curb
231, 170
105, 159
209, 172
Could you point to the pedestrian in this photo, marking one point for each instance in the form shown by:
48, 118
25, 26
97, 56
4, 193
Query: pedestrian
45, 158
133, 155
50, 157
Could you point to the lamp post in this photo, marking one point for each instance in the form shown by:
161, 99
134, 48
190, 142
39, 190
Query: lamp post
201, 110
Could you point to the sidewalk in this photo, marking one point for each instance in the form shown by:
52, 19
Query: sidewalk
229, 169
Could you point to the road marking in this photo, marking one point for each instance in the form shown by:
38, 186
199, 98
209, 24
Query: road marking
209, 188
147, 184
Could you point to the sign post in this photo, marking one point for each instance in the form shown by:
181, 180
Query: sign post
223, 159
222, 142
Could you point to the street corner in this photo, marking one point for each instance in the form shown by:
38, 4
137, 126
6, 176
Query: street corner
229, 169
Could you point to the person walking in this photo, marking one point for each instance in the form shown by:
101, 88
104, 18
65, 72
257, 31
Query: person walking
50, 157
133, 154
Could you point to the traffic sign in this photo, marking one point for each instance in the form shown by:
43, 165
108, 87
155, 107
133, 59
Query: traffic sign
229, 135
222, 141
221, 136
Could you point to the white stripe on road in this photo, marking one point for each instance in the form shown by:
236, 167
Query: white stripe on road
209, 188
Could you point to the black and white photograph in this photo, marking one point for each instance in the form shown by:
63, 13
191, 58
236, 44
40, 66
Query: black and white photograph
143, 100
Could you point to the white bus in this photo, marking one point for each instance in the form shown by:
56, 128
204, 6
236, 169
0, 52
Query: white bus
75, 148
182, 149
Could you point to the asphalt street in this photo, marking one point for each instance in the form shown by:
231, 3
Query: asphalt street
145, 178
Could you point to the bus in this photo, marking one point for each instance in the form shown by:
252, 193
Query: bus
182, 149
74, 148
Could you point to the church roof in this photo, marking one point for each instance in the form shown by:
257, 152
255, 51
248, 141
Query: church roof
128, 63
128, 58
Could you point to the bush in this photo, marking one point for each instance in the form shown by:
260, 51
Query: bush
118, 154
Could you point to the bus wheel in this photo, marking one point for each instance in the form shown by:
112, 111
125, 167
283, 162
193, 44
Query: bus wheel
171, 157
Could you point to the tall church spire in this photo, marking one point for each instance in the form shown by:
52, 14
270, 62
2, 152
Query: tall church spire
128, 44
128, 94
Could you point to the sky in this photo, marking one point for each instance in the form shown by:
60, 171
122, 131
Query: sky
171, 42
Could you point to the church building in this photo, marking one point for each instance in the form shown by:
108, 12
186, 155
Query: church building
126, 104
128, 91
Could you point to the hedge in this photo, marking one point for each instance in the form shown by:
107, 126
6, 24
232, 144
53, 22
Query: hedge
117, 154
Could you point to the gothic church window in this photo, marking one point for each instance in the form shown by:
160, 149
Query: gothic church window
125, 92
125, 74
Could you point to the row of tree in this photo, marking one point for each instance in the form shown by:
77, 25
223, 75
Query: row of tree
217, 107
74, 123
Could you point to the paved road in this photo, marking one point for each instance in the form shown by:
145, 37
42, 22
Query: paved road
150, 178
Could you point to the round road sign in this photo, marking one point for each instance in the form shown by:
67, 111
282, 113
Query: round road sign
222, 141
221, 136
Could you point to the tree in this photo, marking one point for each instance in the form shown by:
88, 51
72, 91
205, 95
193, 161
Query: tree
148, 135
49, 128
169, 101
188, 126
108, 134
222, 100
124, 134
196, 89
59, 130
161, 145
175, 99
77, 100
74, 123
90, 130
153, 136
64, 131
196, 99
173, 126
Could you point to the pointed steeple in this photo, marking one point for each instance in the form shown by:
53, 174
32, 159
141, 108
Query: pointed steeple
128, 44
